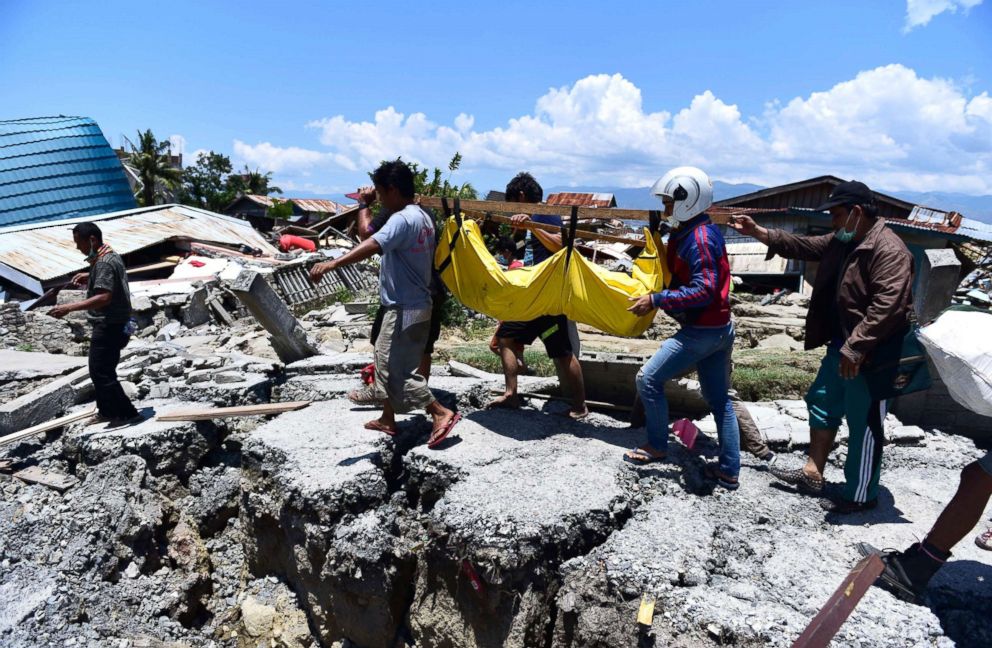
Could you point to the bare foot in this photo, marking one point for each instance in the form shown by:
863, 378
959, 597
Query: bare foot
508, 401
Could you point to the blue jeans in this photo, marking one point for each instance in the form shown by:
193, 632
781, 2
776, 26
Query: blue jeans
709, 350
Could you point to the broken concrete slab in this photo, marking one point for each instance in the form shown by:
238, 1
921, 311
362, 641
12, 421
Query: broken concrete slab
42, 404
333, 363
175, 448
252, 388
311, 480
725, 571
24, 365
515, 496
288, 337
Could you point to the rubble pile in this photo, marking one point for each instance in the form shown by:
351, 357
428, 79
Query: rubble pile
525, 529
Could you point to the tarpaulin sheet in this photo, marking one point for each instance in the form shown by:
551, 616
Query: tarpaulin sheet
959, 344
575, 287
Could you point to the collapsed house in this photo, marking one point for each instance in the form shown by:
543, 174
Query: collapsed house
792, 207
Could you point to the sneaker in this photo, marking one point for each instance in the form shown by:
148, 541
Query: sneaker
984, 540
842, 506
905, 574
795, 476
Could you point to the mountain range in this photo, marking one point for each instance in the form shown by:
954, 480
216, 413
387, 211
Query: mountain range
977, 207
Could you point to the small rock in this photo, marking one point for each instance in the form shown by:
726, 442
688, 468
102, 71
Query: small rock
256, 617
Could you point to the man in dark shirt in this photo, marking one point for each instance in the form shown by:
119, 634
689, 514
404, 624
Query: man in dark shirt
108, 306
552, 329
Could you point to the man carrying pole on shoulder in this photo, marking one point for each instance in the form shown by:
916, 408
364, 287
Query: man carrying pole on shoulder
406, 243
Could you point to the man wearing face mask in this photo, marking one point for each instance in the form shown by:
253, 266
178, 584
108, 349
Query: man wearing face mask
108, 303
862, 295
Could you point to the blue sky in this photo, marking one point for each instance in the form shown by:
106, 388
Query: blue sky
893, 92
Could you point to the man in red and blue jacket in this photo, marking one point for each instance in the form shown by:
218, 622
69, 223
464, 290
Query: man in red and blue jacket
699, 299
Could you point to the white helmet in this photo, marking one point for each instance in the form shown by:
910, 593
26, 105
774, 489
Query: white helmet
689, 187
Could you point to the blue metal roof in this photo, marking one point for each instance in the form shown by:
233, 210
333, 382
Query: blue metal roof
58, 167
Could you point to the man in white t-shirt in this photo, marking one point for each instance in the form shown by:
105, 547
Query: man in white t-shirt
406, 243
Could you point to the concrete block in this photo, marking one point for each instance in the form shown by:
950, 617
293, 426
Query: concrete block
937, 279
42, 404
289, 339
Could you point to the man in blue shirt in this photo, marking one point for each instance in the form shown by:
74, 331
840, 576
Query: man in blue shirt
552, 329
406, 243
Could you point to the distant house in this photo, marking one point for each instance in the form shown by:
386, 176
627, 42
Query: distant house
255, 208
58, 167
571, 199
792, 207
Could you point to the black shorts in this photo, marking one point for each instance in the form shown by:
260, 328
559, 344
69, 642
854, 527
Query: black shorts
552, 329
432, 336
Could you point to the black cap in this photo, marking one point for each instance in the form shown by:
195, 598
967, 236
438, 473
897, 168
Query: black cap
849, 193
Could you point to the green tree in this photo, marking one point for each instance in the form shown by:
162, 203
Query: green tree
252, 182
151, 160
205, 183
280, 210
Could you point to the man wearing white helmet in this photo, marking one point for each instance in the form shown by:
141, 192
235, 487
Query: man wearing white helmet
699, 299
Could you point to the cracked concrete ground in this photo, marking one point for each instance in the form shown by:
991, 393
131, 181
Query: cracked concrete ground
523, 529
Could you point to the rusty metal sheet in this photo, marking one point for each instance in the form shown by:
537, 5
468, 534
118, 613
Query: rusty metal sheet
582, 199
45, 251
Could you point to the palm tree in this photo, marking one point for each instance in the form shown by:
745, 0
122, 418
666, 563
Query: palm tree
257, 182
151, 160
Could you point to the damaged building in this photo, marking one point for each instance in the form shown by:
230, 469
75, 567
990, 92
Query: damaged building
251, 508
792, 207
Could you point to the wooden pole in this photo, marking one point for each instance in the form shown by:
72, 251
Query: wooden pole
831, 617
579, 233
585, 213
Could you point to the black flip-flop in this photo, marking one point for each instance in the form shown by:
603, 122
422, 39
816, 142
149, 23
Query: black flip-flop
647, 458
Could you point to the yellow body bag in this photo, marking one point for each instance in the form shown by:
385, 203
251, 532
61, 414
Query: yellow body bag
562, 284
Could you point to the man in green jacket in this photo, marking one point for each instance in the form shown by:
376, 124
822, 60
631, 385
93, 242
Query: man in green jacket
862, 296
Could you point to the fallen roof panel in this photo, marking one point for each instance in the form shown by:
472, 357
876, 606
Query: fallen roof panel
45, 251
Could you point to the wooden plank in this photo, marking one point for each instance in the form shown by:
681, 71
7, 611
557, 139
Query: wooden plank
841, 603
148, 267
210, 413
585, 213
51, 478
50, 425
584, 234
589, 403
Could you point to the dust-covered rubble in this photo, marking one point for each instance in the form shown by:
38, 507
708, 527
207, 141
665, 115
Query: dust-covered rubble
523, 529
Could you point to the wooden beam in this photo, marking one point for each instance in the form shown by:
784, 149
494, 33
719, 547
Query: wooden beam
45, 427
51, 478
209, 413
591, 403
584, 234
585, 213
149, 267
831, 617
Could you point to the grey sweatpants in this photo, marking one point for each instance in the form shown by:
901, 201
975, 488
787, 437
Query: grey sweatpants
397, 356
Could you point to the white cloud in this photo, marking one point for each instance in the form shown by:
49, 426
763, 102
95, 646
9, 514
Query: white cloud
920, 12
887, 126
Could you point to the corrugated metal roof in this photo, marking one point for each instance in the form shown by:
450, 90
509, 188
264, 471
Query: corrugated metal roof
58, 167
46, 251
582, 199
309, 205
